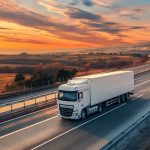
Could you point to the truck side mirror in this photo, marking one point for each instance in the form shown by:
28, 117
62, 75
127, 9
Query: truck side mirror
80, 95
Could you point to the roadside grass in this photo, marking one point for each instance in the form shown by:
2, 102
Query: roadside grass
6, 78
85, 64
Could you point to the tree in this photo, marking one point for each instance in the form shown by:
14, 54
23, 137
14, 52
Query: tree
19, 78
64, 75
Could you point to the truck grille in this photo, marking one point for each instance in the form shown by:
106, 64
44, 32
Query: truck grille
66, 112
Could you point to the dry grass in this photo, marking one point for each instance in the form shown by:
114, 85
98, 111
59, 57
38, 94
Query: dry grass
85, 64
8, 78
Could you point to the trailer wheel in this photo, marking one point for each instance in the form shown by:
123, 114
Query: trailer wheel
83, 114
123, 98
118, 100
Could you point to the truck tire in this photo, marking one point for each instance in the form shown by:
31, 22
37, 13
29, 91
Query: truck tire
119, 100
126, 97
83, 114
99, 108
123, 98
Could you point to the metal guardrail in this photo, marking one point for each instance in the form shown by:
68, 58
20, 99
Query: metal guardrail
113, 145
30, 101
10, 107
139, 68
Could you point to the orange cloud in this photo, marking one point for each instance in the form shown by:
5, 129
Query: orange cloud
66, 26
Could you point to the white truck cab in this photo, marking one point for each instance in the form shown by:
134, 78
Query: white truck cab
73, 97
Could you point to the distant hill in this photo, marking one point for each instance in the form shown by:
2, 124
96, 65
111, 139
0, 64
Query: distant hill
141, 48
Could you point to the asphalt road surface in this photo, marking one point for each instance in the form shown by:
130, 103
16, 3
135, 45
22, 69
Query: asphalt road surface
41, 92
43, 130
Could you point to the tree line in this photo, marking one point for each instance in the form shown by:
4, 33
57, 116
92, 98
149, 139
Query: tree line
41, 78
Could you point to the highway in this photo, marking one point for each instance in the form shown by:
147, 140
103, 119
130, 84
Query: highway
43, 130
47, 91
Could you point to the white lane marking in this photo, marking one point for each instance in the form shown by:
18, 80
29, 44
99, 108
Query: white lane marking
77, 127
27, 115
137, 97
142, 83
142, 77
49, 108
81, 125
54, 106
55, 117
27, 127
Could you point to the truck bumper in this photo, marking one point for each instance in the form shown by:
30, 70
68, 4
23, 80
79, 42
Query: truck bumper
73, 117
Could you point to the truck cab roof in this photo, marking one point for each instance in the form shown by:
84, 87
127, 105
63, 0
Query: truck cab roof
74, 85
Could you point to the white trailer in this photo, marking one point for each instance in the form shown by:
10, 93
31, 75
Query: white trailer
85, 95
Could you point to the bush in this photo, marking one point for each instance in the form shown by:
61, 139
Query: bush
19, 78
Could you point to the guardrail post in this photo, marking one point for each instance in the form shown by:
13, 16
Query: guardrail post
11, 107
46, 98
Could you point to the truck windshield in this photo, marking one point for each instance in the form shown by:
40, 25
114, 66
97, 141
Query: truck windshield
68, 95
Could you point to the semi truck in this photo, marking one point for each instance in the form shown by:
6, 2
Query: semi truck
82, 96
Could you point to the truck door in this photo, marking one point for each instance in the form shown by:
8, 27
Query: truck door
85, 99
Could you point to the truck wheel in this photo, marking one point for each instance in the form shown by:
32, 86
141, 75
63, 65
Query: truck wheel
123, 98
83, 114
99, 108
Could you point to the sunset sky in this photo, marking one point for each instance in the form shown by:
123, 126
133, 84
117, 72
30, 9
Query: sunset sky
51, 25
